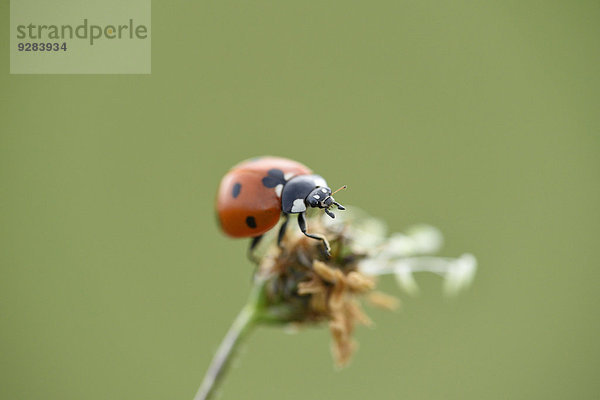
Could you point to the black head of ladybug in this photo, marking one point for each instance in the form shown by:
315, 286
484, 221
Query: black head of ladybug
321, 197
305, 191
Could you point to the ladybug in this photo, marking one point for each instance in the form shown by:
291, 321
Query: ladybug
256, 193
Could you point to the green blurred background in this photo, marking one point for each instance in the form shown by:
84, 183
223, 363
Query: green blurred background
481, 118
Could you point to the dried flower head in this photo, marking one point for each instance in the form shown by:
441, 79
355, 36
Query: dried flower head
302, 286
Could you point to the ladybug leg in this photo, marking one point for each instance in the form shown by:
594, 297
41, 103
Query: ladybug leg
282, 229
302, 224
339, 206
251, 248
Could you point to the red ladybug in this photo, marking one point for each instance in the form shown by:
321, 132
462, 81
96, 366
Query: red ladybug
254, 194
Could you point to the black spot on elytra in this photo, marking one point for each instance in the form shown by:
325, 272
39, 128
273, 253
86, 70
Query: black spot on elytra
235, 192
274, 177
251, 222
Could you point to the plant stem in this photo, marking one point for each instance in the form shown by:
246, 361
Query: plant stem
240, 327
237, 332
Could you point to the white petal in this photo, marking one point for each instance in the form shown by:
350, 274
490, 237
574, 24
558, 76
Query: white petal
460, 274
428, 239
421, 239
406, 281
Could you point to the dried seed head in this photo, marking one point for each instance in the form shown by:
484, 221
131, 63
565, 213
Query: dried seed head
304, 287
301, 286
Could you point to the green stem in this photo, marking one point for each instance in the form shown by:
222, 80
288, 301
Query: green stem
237, 332
240, 327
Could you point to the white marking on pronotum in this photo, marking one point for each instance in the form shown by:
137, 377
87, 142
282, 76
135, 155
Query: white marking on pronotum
319, 181
298, 206
316, 196
288, 175
324, 190
278, 189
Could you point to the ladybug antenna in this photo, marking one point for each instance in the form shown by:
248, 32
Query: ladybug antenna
343, 187
338, 205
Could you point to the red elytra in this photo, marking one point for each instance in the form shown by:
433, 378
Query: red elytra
246, 207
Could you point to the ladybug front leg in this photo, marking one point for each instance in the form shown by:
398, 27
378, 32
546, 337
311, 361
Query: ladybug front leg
282, 229
339, 206
302, 224
251, 248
